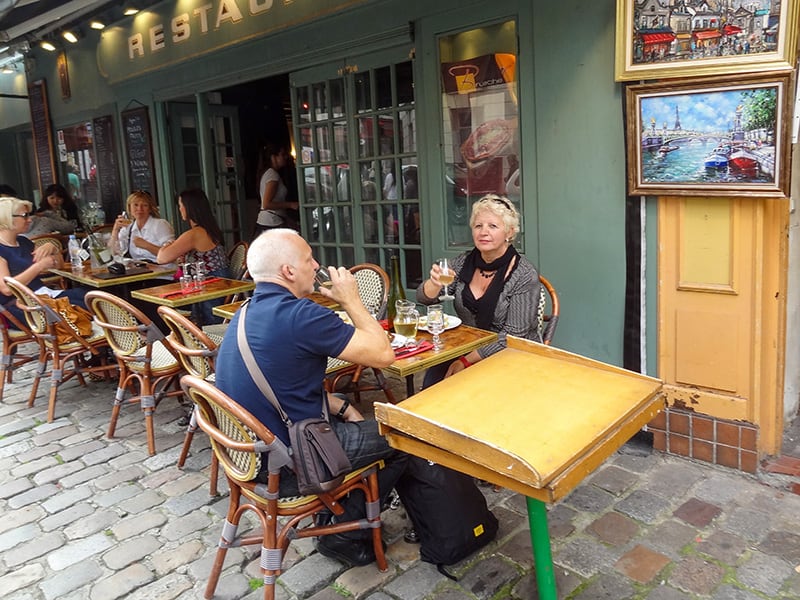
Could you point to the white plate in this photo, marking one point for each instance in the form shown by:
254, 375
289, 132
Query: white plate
450, 322
398, 341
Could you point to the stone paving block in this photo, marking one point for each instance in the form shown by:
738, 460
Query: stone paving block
130, 551
91, 524
187, 502
67, 516
183, 526
103, 454
19, 535
33, 495
311, 574
752, 525
66, 498
164, 458
56, 473
39, 546
613, 528
723, 546
137, 524
633, 463
117, 477
84, 475
165, 588
168, 560
20, 578
729, 592
526, 587
184, 485
783, 544
670, 480
518, 549
360, 581
764, 573
59, 584
641, 563
83, 435
589, 498
78, 550
610, 586
158, 479
670, 537
696, 576
122, 583
613, 480
663, 592
13, 426
586, 556
418, 582
487, 576
17, 438
16, 448
697, 512
141, 502
642, 506
14, 487
560, 520
37, 452
118, 494
34, 468
80, 450
127, 458
16, 518
60, 429
232, 584
720, 488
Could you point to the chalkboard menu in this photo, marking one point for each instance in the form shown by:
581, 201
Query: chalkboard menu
42, 133
105, 156
136, 129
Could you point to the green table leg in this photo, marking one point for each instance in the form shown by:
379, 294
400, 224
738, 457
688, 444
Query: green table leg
542, 557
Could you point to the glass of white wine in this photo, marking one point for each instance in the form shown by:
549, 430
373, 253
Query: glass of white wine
435, 324
323, 277
446, 275
406, 321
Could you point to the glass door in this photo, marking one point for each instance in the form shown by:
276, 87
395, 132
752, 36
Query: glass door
355, 141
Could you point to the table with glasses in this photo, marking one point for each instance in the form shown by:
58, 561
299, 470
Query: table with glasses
226, 311
530, 418
101, 278
174, 296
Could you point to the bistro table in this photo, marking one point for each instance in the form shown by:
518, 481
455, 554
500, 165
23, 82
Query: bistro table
101, 278
171, 294
531, 418
226, 311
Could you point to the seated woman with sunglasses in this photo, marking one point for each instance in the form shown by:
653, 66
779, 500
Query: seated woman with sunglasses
496, 288
24, 261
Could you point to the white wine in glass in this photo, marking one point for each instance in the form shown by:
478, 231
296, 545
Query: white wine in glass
446, 277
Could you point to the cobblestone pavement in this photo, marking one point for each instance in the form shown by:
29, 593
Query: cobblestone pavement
85, 517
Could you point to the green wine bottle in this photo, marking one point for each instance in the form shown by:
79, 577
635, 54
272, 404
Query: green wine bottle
396, 291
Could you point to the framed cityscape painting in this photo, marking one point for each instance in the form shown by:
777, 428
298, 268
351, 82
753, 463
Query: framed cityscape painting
657, 39
721, 136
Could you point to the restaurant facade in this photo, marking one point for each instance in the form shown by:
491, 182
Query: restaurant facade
399, 115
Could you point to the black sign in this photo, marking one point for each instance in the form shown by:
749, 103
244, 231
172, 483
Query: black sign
42, 134
136, 129
105, 156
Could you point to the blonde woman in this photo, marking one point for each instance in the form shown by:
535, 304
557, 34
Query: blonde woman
141, 232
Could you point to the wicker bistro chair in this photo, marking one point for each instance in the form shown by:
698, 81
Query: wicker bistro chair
148, 367
240, 442
197, 352
42, 321
373, 287
15, 335
548, 311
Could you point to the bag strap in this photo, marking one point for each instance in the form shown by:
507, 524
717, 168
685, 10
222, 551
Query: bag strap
252, 366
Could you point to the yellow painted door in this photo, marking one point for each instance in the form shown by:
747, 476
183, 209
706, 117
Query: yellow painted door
721, 290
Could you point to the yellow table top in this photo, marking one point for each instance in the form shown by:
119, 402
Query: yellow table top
171, 295
226, 311
530, 418
88, 276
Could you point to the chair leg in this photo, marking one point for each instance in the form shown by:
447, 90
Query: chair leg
55, 382
187, 440
227, 538
118, 400
214, 475
373, 504
40, 371
149, 407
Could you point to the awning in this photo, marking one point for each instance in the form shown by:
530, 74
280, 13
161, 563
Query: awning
707, 35
658, 38
731, 30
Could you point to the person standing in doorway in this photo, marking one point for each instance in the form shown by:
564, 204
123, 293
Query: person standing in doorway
272, 190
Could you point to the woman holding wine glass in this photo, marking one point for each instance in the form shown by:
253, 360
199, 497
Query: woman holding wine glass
139, 232
494, 287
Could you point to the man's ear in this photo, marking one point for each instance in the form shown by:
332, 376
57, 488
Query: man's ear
287, 272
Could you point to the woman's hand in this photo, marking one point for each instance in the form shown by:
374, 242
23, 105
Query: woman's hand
43, 251
51, 261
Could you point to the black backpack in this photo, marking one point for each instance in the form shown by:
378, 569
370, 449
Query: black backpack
448, 511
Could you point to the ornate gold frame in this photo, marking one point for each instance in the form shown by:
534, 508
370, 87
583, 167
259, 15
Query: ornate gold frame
779, 60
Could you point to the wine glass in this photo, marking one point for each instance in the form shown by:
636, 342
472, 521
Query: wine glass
323, 277
435, 324
446, 276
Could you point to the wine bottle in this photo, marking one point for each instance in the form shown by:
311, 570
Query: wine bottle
396, 291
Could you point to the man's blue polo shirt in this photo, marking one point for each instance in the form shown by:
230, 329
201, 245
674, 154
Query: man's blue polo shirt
291, 339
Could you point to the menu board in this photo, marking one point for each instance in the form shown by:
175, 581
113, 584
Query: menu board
138, 146
105, 156
42, 133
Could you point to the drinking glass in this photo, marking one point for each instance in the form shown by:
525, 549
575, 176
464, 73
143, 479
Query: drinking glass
446, 276
435, 324
406, 321
199, 275
323, 277
187, 281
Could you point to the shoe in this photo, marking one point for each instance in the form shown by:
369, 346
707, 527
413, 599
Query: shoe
411, 536
356, 553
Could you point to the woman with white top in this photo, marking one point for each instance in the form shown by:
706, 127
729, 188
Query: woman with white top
141, 233
272, 190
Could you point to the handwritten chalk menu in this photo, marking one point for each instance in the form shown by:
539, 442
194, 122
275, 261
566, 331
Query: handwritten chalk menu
105, 156
42, 133
136, 129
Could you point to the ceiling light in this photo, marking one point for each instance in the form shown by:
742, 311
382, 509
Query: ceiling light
70, 36
7, 70
130, 10
45, 45
97, 25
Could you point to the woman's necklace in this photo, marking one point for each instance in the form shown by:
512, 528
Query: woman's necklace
486, 274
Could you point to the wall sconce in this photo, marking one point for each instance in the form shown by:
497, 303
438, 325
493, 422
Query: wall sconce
47, 45
70, 36
95, 24
130, 10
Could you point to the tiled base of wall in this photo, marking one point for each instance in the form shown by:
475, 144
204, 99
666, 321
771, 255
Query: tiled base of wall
728, 443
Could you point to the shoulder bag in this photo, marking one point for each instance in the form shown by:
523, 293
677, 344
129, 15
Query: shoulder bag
320, 462
73, 320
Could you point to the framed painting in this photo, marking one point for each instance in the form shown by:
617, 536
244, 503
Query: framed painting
658, 39
721, 136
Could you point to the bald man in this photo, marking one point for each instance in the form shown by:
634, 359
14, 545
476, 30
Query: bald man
291, 338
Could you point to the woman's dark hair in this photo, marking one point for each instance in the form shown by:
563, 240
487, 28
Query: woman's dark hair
269, 150
68, 205
7, 190
198, 209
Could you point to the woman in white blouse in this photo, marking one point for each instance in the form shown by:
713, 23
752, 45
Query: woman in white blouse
141, 232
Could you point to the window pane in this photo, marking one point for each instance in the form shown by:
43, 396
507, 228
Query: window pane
340, 140
337, 98
383, 87
404, 75
407, 126
366, 131
363, 92
321, 109
386, 133
303, 104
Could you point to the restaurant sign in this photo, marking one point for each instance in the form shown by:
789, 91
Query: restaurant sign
179, 30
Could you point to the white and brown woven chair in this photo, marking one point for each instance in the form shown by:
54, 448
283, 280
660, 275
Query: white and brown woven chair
197, 352
73, 351
548, 311
241, 442
149, 370
373, 287
19, 346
